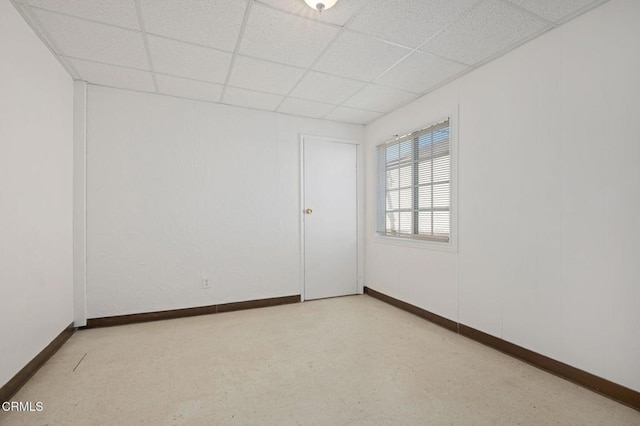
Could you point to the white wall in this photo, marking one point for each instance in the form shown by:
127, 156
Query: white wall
36, 283
549, 198
178, 190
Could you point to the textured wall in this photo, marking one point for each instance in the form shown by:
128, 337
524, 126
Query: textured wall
179, 190
36, 142
549, 147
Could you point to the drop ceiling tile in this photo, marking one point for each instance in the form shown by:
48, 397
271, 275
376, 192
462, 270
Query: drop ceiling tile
285, 38
555, 10
305, 108
263, 76
359, 57
112, 76
338, 14
95, 42
191, 89
252, 99
379, 98
188, 60
408, 22
115, 12
488, 29
352, 115
326, 88
214, 23
420, 72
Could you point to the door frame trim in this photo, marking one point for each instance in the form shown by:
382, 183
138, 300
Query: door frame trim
359, 209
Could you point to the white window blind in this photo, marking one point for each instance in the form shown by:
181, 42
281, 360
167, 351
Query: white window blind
414, 185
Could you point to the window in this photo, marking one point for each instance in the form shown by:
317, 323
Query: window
414, 185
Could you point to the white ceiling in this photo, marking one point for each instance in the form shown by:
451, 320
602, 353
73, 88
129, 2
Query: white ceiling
353, 63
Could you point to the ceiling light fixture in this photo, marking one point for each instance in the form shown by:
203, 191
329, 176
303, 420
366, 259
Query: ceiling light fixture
320, 5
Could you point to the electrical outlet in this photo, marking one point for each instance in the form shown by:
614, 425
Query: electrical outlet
206, 283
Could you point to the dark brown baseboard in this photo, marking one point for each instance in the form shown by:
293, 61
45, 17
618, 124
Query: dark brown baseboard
189, 312
590, 381
429, 316
22, 376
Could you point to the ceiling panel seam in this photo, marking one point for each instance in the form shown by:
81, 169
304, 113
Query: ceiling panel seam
529, 13
245, 19
411, 52
145, 40
68, 15
209, 82
341, 28
300, 80
268, 6
327, 47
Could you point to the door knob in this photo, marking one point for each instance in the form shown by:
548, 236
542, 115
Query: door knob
308, 211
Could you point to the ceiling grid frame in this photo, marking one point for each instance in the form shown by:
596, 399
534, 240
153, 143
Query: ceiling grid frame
469, 67
413, 51
145, 40
323, 52
530, 13
341, 103
236, 49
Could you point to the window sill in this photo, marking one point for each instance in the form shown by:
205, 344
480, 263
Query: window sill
415, 243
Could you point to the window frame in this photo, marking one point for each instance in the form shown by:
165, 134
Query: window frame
409, 241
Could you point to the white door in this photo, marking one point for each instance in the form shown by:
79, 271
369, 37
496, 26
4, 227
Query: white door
330, 218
